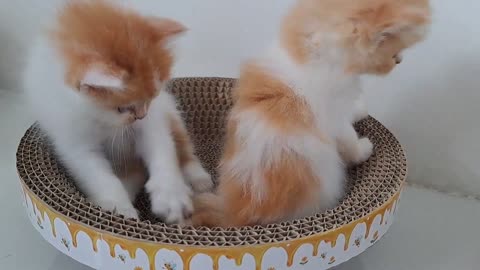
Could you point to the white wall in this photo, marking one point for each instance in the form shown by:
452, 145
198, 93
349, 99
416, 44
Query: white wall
19, 20
431, 102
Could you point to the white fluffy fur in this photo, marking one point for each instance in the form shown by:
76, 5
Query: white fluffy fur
94, 144
334, 98
97, 78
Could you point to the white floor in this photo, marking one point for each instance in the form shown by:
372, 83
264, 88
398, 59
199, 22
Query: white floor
433, 231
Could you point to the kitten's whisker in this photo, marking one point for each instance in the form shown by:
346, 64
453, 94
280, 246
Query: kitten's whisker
122, 150
112, 150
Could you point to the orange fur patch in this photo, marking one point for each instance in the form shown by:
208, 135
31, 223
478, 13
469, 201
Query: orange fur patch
285, 111
185, 153
259, 91
289, 186
96, 34
294, 35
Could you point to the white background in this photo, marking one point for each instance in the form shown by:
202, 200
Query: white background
431, 103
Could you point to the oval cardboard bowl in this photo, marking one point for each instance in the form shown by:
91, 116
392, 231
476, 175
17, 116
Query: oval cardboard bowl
102, 240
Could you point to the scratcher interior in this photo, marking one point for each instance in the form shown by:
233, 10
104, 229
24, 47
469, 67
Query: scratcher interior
106, 241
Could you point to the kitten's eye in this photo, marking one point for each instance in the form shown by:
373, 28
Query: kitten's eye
125, 109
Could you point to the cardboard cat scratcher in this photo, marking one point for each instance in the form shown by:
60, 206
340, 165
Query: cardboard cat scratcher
102, 240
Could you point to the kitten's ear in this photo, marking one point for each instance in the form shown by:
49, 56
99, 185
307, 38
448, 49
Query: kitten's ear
97, 77
166, 27
411, 24
389, 30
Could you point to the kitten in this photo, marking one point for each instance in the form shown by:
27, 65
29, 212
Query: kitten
290, 131
95, 84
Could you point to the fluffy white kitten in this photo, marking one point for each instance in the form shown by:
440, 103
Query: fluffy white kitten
95, 85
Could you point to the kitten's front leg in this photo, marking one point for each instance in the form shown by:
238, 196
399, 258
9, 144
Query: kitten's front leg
170, 196
352, 149
360, 111
191, 167
94, 175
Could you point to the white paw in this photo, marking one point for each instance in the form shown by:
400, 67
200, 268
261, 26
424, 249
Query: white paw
196, 175
124, 208
365, 150
170, 201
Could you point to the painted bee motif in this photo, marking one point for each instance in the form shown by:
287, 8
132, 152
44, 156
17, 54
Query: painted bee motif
358, 241
169, 266
66, 243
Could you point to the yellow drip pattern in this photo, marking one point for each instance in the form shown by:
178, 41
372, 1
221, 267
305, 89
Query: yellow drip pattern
187, 253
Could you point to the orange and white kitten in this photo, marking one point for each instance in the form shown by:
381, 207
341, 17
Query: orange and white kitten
95, 83
290, 131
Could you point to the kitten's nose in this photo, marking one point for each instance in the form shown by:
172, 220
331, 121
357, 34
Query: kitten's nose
140, 116
398, 59
140, 112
